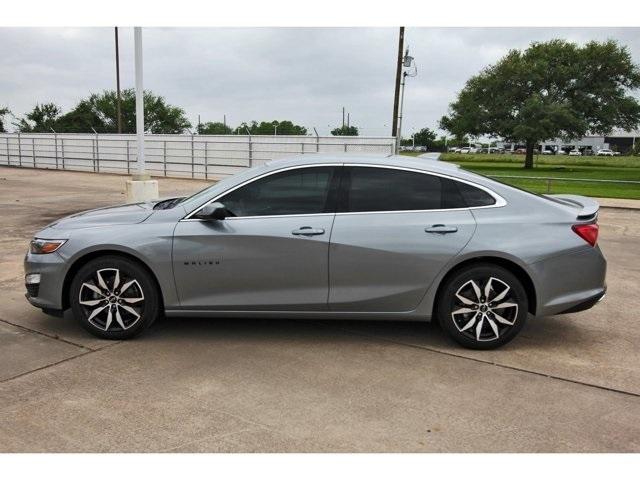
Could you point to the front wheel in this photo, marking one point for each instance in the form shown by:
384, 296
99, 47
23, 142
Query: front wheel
114, 298
483, 306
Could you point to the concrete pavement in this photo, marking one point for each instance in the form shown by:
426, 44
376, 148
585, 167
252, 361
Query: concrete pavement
567, 383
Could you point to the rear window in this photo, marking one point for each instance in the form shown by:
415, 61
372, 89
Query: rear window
473, 196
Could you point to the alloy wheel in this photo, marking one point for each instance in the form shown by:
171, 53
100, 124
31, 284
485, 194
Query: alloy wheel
111, 300
484, 309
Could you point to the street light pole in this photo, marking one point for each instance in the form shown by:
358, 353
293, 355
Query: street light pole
118, 97
141, 188
137, 31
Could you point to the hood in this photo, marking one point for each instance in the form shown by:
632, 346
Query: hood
120, 215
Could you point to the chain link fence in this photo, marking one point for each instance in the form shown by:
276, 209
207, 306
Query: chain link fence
192, 156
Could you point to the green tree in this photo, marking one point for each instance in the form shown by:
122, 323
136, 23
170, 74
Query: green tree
41, 119
84, 118
425, 137
245, 127
350, 131
284, 127
3, 111
99, 112
214, 128
552, 89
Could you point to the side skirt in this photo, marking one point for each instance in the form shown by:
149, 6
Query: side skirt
326, 315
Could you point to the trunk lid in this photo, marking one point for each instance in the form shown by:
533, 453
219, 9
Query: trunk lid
586, 208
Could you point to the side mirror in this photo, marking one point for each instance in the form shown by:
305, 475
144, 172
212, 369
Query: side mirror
213, 211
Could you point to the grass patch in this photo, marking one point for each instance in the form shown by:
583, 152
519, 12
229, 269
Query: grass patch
593, 161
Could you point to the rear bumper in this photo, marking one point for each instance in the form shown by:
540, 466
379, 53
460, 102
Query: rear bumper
587, 304
571, 282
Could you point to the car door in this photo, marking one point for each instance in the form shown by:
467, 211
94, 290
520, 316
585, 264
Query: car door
394, 230
271, 253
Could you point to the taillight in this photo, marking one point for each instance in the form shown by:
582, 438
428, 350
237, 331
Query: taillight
589, 232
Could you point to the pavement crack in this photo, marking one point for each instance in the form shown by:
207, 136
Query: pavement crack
64, 360
486, 362
54, 337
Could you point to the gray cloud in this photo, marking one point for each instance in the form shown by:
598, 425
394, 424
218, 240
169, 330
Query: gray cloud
303, 74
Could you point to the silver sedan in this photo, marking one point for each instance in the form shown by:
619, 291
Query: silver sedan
328, 236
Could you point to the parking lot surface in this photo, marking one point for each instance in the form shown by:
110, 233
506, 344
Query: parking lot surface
567, 383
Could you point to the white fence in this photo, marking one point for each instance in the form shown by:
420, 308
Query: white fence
194, 156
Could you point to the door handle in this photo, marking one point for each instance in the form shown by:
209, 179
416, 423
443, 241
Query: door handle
440, 228
308, 231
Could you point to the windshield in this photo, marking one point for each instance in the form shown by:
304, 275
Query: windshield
205, 194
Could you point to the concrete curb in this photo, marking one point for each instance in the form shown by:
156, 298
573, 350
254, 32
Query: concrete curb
619, 203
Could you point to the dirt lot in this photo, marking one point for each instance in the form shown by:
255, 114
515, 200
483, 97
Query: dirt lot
567, 383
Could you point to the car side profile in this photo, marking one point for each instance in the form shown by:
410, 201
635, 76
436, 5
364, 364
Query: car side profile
328, 236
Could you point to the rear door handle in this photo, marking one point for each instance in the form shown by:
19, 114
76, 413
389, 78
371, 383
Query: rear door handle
440, 228
308, 231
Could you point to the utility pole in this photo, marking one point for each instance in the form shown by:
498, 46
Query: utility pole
407, 62
348, 119
396, 98
118, 98
343, 118
224, 120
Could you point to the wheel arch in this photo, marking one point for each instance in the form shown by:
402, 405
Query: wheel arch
517, 270
87, 257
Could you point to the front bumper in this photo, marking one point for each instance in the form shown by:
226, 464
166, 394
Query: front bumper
47, 294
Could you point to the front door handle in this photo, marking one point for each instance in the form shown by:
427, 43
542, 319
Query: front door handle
440, 228
308, 231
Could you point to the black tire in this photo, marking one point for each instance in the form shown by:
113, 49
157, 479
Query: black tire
480, 323
92, 289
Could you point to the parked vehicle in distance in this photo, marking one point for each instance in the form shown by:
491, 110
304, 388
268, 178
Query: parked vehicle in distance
403, 238
605, 152
455, 150
520, 151
469, 150
575, 153
546, 151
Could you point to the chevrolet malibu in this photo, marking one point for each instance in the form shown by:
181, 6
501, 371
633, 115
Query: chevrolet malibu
318, 237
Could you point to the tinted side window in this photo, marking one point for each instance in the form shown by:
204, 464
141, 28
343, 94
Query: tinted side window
474, 197
298, 191
382, 189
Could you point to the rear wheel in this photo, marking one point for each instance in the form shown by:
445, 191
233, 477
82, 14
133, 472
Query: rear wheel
483, 306
114, 298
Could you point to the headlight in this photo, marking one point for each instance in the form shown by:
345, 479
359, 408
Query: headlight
40, 245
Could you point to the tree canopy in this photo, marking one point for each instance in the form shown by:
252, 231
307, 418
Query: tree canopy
3, 111
98, 112
346, 131
425, 137
553, 89
274, 127
214, 128
41, 119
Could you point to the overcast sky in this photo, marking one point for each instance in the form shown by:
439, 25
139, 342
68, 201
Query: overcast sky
301, 74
